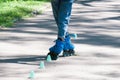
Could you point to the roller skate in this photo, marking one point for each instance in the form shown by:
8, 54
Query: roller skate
56, 49
68, 47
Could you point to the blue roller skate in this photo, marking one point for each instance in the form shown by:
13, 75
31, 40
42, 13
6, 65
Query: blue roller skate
68, 47
56, 49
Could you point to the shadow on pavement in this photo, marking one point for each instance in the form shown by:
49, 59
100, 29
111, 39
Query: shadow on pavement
23, 59
97, 24
86, 2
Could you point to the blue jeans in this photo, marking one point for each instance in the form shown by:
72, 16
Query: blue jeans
62, 11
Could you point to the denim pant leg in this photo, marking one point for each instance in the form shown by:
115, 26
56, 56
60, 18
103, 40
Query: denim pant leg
55, 8
62, 11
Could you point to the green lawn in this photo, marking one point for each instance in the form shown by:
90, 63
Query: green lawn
11, 12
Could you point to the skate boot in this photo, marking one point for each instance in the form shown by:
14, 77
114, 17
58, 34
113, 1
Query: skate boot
68, 47
56, 49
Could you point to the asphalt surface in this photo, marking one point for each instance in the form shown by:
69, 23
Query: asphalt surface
97, 24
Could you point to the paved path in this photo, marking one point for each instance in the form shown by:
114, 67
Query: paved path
97, 23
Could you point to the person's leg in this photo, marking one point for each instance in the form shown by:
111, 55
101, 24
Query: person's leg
63, 23
61, 11
58, 47
64, 17
55, 8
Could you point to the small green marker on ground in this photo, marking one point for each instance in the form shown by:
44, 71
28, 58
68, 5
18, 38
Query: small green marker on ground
42, 66
73, 35
49, 58
32, 75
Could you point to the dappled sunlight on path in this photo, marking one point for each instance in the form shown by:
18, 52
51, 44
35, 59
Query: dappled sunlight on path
97, 23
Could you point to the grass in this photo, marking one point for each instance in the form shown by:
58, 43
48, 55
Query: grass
11, 12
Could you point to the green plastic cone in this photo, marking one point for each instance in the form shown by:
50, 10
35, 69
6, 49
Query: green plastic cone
73, 35
32, 75
42, 66
49, 58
